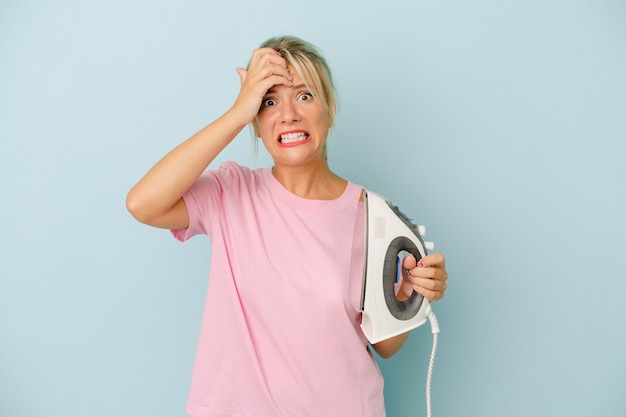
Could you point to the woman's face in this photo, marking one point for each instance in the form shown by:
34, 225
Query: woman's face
292, 124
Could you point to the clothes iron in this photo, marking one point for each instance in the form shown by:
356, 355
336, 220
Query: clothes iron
388, 235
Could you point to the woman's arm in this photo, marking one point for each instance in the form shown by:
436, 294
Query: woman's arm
157, 198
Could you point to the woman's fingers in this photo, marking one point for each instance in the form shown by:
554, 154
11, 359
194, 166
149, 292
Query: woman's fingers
266, 63
428, 275
266, 69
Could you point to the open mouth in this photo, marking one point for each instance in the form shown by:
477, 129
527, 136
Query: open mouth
293, 138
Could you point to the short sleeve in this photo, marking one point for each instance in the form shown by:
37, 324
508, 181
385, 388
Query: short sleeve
202, 199
205, 198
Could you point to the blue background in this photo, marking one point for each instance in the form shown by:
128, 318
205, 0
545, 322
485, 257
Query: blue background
498, 124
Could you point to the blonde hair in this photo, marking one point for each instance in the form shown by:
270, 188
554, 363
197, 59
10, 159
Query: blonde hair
306, 59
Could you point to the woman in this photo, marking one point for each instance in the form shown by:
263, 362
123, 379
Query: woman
280, 333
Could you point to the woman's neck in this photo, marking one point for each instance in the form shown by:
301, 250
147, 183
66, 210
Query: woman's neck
316, 182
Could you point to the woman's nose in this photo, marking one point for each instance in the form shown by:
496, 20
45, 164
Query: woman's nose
289, 112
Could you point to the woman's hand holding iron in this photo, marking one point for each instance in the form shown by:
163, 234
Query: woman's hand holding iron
427, 277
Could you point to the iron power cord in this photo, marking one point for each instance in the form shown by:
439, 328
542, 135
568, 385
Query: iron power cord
435, 330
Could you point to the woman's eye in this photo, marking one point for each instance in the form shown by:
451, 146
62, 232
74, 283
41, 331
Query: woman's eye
268, 102
306, 96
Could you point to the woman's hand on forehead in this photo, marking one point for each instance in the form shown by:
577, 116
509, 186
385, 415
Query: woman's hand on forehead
266, 69
268, 63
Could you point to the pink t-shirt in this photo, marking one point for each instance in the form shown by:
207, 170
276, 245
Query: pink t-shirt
280, 333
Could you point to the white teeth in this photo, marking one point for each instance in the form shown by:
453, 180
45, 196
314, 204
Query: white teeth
293, 137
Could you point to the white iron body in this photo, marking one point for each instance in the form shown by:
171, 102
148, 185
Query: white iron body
388, 233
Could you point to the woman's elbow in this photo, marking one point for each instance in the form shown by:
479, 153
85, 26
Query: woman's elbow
389, 347
385, 352
135, 207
